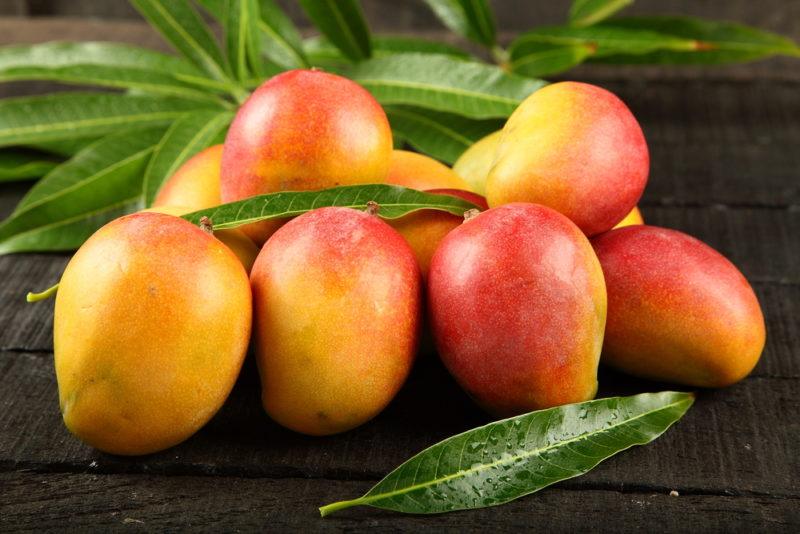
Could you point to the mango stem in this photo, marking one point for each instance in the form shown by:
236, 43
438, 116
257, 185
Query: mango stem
44, 295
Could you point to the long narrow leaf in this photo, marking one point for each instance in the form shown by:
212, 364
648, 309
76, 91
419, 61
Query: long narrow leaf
604, 40
282, 42
74, 115
242, 39
508, 459
66, 148
588, 12
440, 135
102, 64
322, 53
104, 174
183, 28
393, 202
443, 83
24, 165
544, 59
471, 18
343, 23
718, 42
186, 137
67, 234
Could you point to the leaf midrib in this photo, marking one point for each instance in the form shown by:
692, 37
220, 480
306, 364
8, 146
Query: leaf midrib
87, 180
99, 121
439, 88
433, 124
189, 39
527, 454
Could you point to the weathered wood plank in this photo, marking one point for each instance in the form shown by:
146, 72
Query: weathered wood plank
741, 440
34, 502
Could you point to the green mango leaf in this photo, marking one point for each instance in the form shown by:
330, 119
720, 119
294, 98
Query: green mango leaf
67, 234
393, 202
343, 23
186, 137
603, 40
508, 459
322, 53
544, 59
588, 12
442, 83
179, 23
718, 42
472, 19
101, 179
281, 40
102, 64
242, 37
19, 164
66, 147
61, 116
443, 136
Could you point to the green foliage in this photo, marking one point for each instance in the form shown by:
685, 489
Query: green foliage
342, 22
588, 12
392, 202
508, 459
104, 154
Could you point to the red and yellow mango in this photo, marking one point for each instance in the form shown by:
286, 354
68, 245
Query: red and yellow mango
517, 306
337, 315
678, 311
575, 148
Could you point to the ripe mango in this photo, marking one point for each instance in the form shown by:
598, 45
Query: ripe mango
337, 314
678, 311
517, 306
421, 172
634, 217
425, 229
304, 130
195, 186
152, 322
573, 147
474, 164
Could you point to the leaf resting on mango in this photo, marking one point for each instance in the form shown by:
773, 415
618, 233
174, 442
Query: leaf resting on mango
393, 202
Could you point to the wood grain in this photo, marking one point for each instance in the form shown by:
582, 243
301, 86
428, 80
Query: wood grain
76, 502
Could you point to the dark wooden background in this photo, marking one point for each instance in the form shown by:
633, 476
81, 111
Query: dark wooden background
725, 147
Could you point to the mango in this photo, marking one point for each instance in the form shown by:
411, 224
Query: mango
678, 311
634, 217
425, 229
152, 322
421, 172
517, 305
573, 147
337, 314
474, 164
195, 186
304, 130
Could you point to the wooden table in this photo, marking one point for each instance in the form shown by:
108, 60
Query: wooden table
725, 167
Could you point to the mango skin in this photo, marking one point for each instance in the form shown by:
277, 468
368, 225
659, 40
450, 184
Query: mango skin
304, 130
195, 186
420, 172
152, 322
474, 164
337, 315
633, 218
423, 230
517, 306
573, 147
678, 311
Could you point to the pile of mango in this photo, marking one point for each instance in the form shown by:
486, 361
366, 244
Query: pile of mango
154, 315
